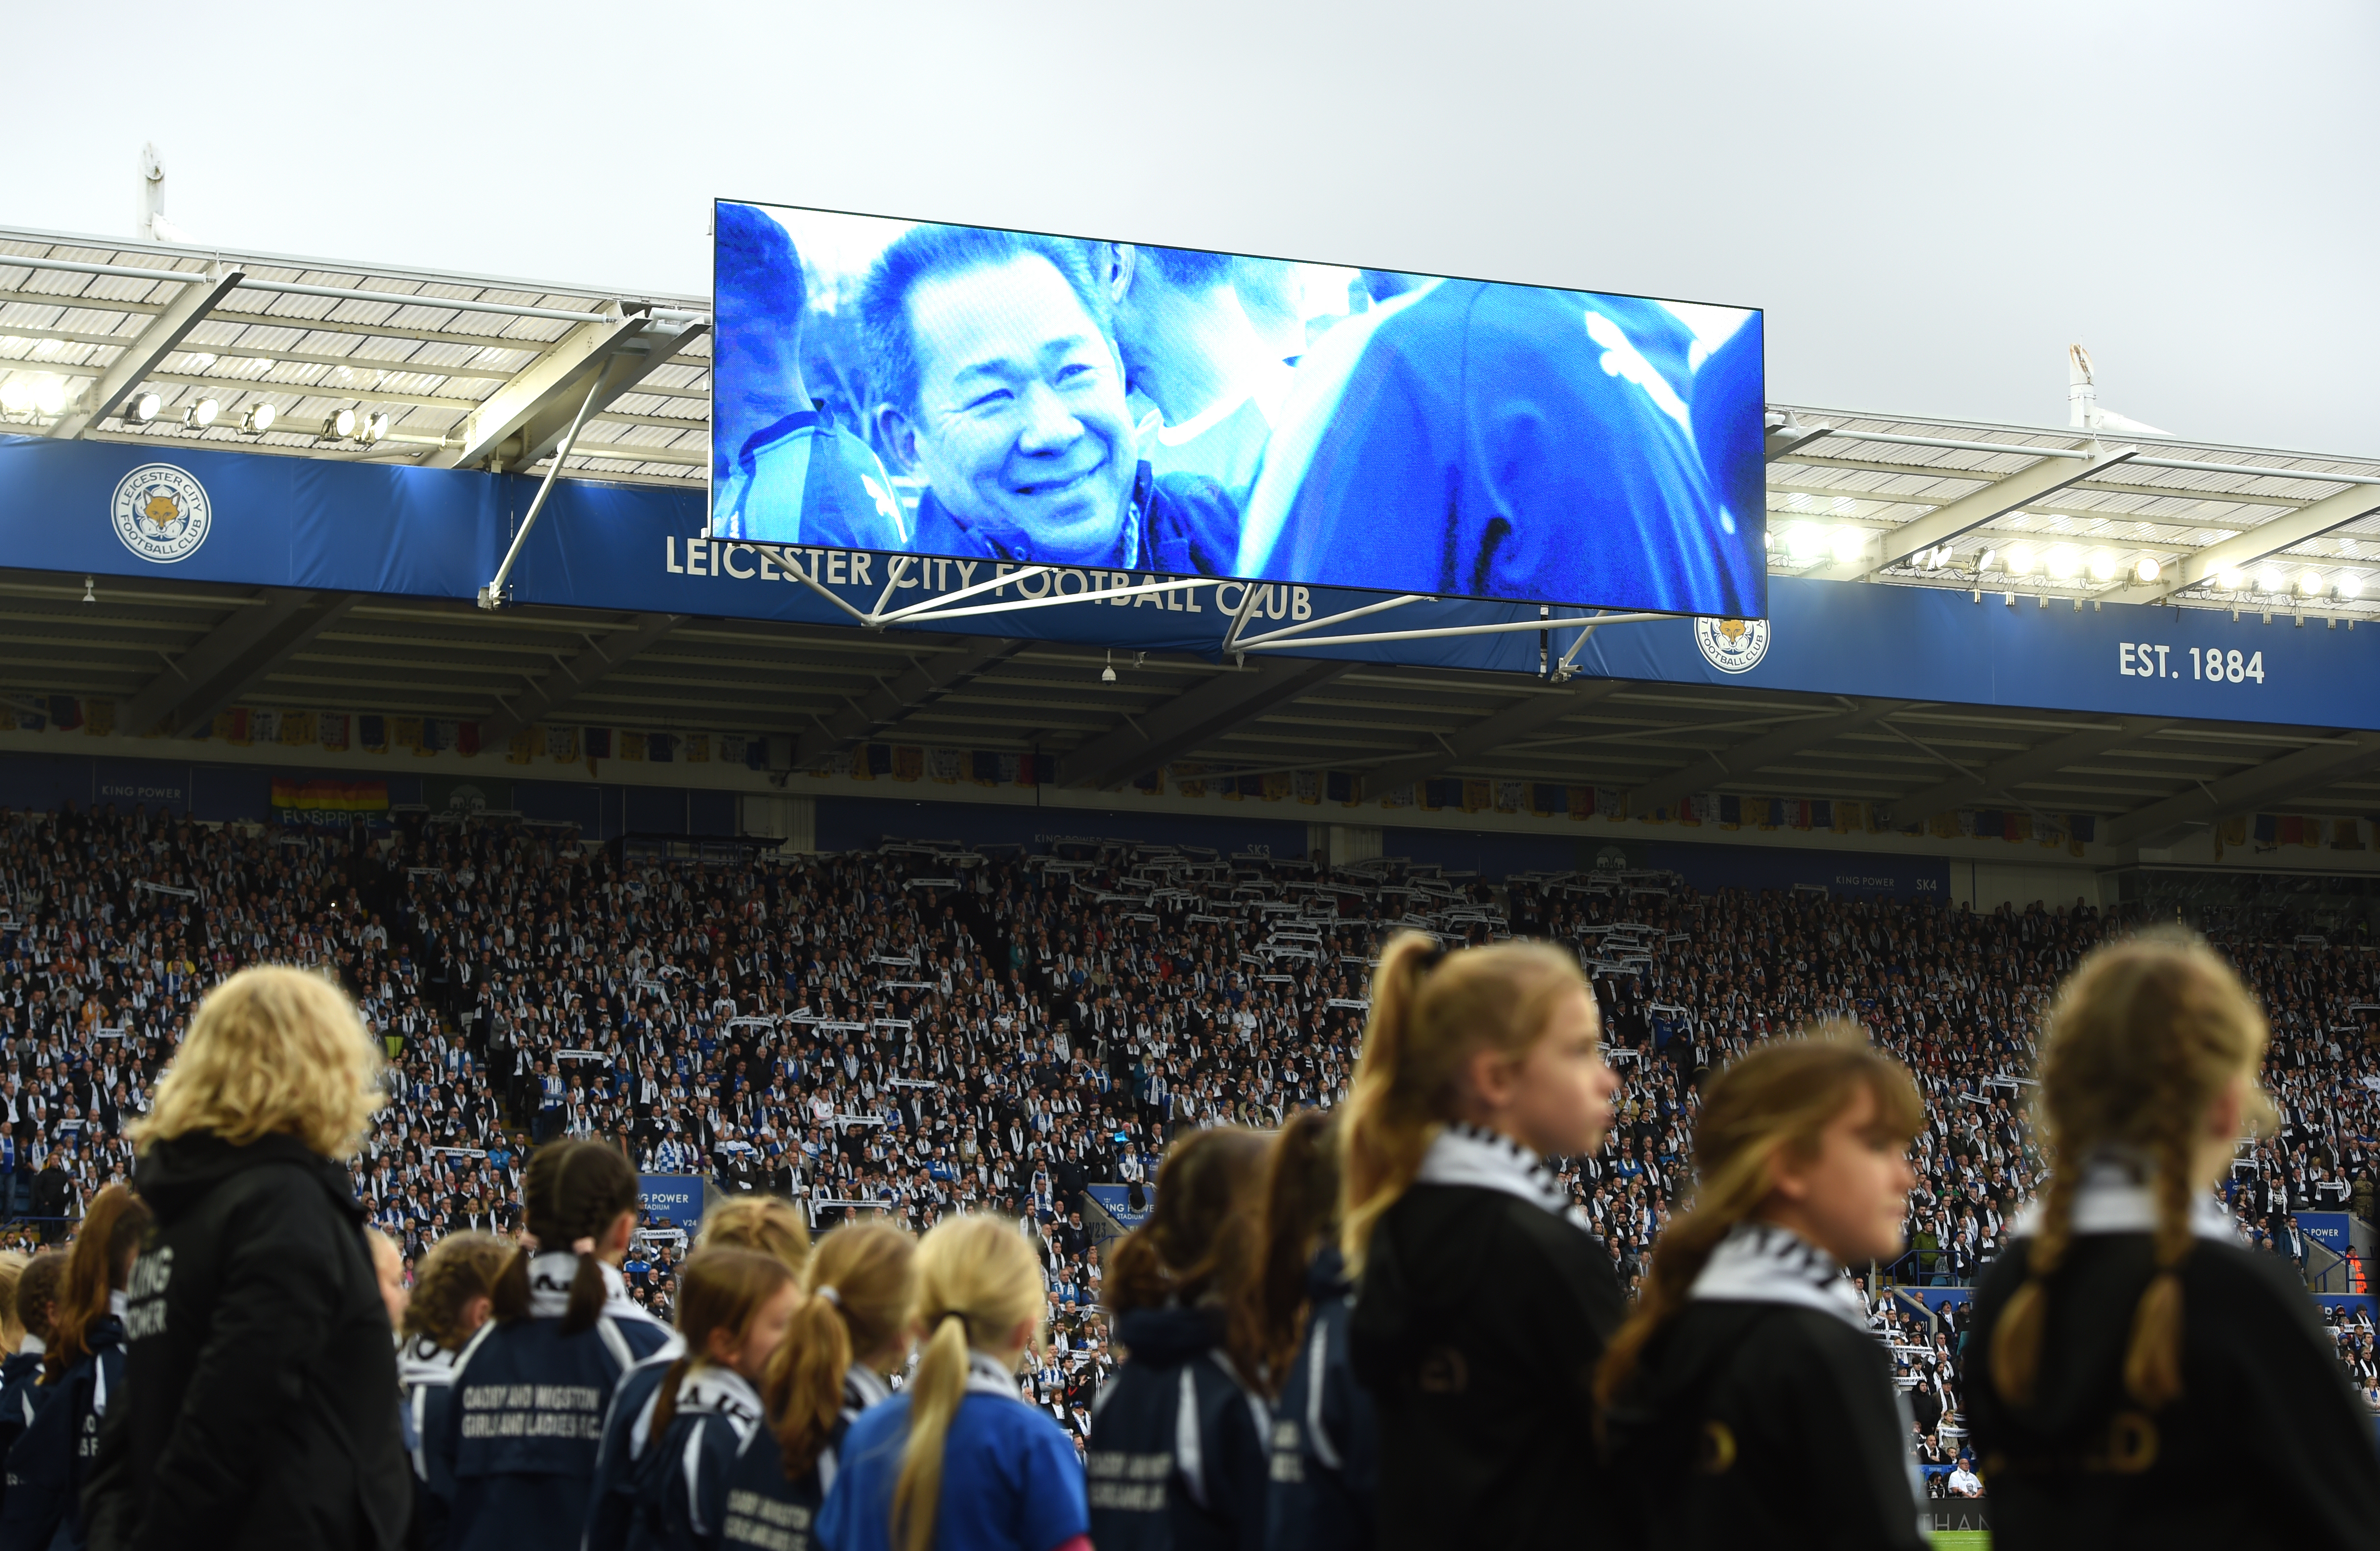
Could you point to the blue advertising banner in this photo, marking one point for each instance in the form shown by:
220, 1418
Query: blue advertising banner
978, 393
77, 506
674, 1199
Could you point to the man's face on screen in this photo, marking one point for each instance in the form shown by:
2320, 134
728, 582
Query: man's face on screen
1021, 426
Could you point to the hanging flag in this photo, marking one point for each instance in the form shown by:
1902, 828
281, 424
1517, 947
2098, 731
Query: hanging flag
1399, 796
66, 713
1307, 785
908, 762
943, 765
697, 749
1012, 768
1582, 802
524, 747
99, 717
372, 732
562, 745
467, 740
632, 746
983, 766
264, 727
599, 743
1731, 813
334, 726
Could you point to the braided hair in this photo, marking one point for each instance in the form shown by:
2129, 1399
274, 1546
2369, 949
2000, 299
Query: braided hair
572, 1193
2144, 1039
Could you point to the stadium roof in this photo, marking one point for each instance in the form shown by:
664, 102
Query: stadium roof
478, 371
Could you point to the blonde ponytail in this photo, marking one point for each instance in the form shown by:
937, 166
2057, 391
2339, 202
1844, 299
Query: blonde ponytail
978, 1280
1431, 1011
1778, 1099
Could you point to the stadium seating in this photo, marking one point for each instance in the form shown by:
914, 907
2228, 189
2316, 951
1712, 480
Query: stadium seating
926, 1026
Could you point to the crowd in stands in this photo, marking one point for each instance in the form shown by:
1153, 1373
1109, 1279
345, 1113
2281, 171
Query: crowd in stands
929, 1028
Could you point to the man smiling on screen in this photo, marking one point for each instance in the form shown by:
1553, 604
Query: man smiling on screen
998, 381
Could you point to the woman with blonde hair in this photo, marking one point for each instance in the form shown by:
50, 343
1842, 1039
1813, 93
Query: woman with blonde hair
957, 1460
256, 1338
2137, 1377
1746, 1400
1483, 1302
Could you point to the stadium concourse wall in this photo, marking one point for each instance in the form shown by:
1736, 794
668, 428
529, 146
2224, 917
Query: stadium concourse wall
210, 780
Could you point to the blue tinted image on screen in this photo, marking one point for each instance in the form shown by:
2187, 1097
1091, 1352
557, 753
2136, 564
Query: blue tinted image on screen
967, 391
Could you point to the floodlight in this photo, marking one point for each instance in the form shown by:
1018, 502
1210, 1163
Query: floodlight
340, 425
1804, 542
2270, 579
2103, 566
2020, 559
200, 415
375, 425
259, 419
2309, 582
2064, 561
145, 408
15, 396
2350, 586
1847, 542
2147, 569
50, 394
2230, 580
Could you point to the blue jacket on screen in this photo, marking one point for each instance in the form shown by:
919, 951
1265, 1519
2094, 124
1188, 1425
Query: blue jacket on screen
526, 1420
1325, 1438
1010, 1480
1176, 1460
1507, 442
806, 481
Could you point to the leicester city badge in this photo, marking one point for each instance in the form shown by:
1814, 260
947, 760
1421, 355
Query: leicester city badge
1732, 646
161, 513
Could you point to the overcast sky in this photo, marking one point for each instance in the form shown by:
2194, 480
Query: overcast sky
1930, 200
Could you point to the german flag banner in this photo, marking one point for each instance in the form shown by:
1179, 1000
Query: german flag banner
330, 797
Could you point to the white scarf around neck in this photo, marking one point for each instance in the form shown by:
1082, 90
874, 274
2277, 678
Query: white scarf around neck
1760, 1262
550, 1278
1466, 1154
2114, 1197
721, 1392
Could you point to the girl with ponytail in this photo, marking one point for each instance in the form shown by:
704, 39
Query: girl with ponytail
845, 1341
1176, 1456
1746, 1401
523, 1425
765, 1225
957, 1460
2136, 1375
733, 1308
1483, 1302
1325, 1464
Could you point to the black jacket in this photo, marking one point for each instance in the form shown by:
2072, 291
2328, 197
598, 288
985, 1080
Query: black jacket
1755, 1423
260, 1405
1477, 1327
1326, 1443
2266, 1445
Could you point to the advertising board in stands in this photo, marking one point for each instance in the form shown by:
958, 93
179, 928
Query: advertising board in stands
976, 392
674, 1199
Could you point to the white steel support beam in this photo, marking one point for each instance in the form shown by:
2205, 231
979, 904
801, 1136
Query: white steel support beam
2045, 759
1994, 501
574, 678
1743, 760
1491, 732
889, 701
526, 418
1195, 716
2309, 522
2293, 774
145, 350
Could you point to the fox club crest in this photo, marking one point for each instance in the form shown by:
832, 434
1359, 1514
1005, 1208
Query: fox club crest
1731, 646
161, 512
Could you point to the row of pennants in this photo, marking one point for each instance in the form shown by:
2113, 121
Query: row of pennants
425, 737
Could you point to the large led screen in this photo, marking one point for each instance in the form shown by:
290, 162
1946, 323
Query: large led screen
972, 392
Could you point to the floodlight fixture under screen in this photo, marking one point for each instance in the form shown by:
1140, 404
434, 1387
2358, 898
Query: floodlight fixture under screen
976, 392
